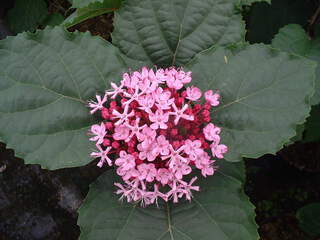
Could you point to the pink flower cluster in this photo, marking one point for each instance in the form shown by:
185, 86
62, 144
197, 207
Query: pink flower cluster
155, 130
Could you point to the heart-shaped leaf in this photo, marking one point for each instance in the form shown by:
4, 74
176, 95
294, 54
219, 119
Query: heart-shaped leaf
293, 39
27, 15
45, 80
265, 94
171, 32
219, 211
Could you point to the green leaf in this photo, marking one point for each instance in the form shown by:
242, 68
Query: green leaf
27, 15
309, 219
85, 3
92, 10
171, 32
46, 79
220, 211
53, 20
293, 39
265, 20
264, 93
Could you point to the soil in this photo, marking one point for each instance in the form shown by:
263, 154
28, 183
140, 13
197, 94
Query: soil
98, 26
41, 204
278, 190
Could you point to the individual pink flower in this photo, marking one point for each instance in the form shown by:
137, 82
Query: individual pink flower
164, 176
126, 80
212, 98
172, 82
147, 172
97, 105
103, 155
218, 150
121, 132
125, 192
175, 192
155, 194
125, 161
180, 169
116, 90
193, 93
205, 165
146, 102
127, 174
175, 157
184, 77
135, 192
133, 96
147, 151
123, 117
148, 84
211, 132
179, 113
135, 129
187, 188
161, 76
162, 145
159, 119
163, 99
207, 170
193, 149
147, 134
99, 131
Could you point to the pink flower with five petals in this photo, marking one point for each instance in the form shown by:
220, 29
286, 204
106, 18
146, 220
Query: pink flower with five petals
211, 132
193, 93
99, 131
121, 132
193, 148
97, 105
147, 172
159, 119
212, 98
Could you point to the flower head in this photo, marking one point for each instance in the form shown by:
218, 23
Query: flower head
155, 130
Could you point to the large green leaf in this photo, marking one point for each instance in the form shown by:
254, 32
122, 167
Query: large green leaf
265, 94
94, 9
27, 15
309, 219
171, 32
45, 80
293, 39
219, 211
265, 20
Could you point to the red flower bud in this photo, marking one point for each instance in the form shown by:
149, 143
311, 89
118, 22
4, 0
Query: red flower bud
106, 142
